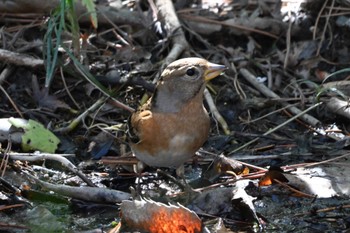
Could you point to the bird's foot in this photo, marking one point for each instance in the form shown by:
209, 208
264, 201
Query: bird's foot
188, 192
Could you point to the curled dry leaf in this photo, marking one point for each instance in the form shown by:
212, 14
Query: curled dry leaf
271, 175
223, 165
154, 217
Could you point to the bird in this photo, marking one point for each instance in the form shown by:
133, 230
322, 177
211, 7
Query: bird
173, 124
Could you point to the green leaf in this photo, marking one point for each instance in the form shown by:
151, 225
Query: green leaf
90, 6
56, 24
36, 136
336, 73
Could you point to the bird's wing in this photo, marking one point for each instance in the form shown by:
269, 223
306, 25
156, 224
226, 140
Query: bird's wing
136, 121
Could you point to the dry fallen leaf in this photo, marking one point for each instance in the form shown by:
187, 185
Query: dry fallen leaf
223, 165
155, 217
270, 176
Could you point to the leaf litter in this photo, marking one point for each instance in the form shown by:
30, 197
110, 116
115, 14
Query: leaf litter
281, 171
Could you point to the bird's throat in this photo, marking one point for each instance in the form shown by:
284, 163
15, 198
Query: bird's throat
170, 101
166, 102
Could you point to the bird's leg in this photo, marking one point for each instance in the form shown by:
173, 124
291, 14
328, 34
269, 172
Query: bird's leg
183, 184
189, 191
138, 168
171, 178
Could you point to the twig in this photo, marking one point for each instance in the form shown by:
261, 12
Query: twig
268, 93
2, 208
295, 190
318, 20
312, 212
215, 112
325, 26
339, 107
56, 157
179, 43
288, 41
9, 226
227, 24
40, 9
11, 101
77, 120
289, 167
276, 128
90, 78
67, 89
6, 72
271, 113
19, 59
5, 159
94, 194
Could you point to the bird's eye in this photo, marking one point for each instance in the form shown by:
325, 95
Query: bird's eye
190, 72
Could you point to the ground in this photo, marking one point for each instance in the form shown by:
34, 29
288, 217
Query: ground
277, 155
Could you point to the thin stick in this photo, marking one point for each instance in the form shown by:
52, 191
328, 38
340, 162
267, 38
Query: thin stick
215, 112
56, 157
12, 102
276, 128
268, 93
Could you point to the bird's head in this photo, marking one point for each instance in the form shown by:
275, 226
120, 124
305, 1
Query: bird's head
182, 81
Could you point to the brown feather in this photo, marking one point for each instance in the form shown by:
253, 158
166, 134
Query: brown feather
156, 131
173, 124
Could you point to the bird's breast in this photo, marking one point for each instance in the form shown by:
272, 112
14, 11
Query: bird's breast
168, 153
169, 140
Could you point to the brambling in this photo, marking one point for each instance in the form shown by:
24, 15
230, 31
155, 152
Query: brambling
168, 129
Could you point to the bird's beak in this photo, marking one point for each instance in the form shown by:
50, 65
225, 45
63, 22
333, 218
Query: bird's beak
213, 70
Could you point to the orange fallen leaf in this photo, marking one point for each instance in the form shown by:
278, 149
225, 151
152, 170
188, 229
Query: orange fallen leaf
270, 176
155, 217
